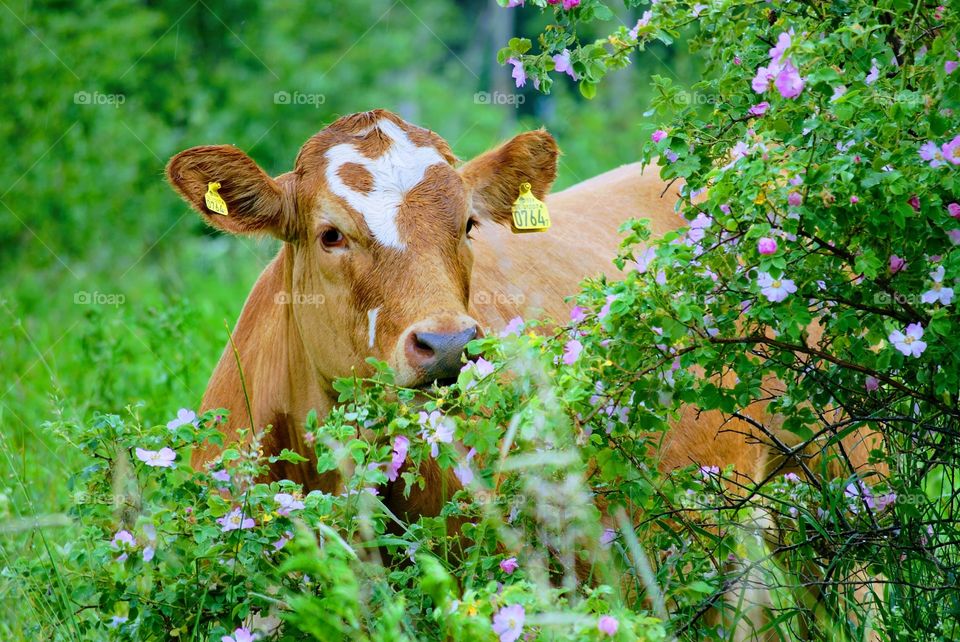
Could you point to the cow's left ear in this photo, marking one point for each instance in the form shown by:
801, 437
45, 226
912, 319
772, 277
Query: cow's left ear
493, 179
255, 203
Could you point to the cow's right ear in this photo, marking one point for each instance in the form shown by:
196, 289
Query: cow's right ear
255, 202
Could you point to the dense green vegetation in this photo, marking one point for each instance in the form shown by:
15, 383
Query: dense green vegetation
825, 133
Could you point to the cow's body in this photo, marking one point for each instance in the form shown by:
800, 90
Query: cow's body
513, 275
290, 353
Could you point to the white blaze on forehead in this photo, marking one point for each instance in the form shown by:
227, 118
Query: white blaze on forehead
372, 326
398, 170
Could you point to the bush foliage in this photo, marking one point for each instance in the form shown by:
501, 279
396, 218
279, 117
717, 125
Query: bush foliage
819, 163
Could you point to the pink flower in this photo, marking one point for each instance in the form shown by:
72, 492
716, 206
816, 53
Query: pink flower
736, 60
872, 384
914, 202
519, 75
463, 471
778, 52
220, 476
578, 314
793, 478
725, 208
184, 417
950, 66
283, 540
162, 458
788, 82
954, 236
767, 246
235, 520
897, 264
932, 153
838, 91
938, 293
951, 151
562, 64
287, 503
765, 78
608, 537
605, 310
570, 4
509, 565
794, 198
954, 210
642, 22
608, 625
759, 109
775, 290
854, 200
514, 3
123, 542
508, 623
910, 341
658, 135
643, 261
400, 445
514, 326
571, 352
709, 471
239, 635
671, 155
874, 74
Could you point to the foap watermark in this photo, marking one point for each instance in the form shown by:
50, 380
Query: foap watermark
99, 99
886, 298
697, 98
299, 98
498, 98
485, 297
299, 298
83, 297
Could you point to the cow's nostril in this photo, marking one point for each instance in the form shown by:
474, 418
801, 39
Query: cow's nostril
423, 346
438, 354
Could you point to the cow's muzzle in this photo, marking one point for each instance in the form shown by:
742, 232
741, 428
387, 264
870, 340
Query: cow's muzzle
436, 356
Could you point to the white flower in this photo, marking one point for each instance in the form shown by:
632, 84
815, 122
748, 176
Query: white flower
184, 417
162, 458
909, 342
775, 290
938, 293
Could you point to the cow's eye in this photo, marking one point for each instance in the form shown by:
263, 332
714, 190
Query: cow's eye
332, 238
472, 224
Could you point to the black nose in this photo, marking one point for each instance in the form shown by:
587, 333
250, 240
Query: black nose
438, 353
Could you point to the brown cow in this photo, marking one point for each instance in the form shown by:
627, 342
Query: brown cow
378, 260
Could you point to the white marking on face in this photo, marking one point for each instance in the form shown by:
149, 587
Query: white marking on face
372, 326
395, 172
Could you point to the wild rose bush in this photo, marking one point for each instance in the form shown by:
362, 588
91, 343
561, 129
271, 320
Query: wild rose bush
820, 184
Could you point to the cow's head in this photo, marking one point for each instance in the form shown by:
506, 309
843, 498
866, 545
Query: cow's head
378, 217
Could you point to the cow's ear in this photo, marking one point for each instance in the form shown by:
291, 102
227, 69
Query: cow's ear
493, 179
255, 203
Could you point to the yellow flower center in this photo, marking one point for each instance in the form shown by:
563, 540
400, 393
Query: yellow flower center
776, 284
908, 340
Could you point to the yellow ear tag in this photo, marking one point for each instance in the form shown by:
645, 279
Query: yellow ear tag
529, 213
215, 202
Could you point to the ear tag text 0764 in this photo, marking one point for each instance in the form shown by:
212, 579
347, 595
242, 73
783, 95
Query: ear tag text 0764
214, 201
529, 213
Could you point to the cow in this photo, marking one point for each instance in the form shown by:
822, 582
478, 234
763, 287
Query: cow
385, 236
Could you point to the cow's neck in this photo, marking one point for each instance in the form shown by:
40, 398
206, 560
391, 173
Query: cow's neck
281, 384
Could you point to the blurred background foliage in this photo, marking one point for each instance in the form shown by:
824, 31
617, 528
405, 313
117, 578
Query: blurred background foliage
96, 95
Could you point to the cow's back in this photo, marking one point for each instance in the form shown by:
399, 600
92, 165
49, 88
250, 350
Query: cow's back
529, 275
